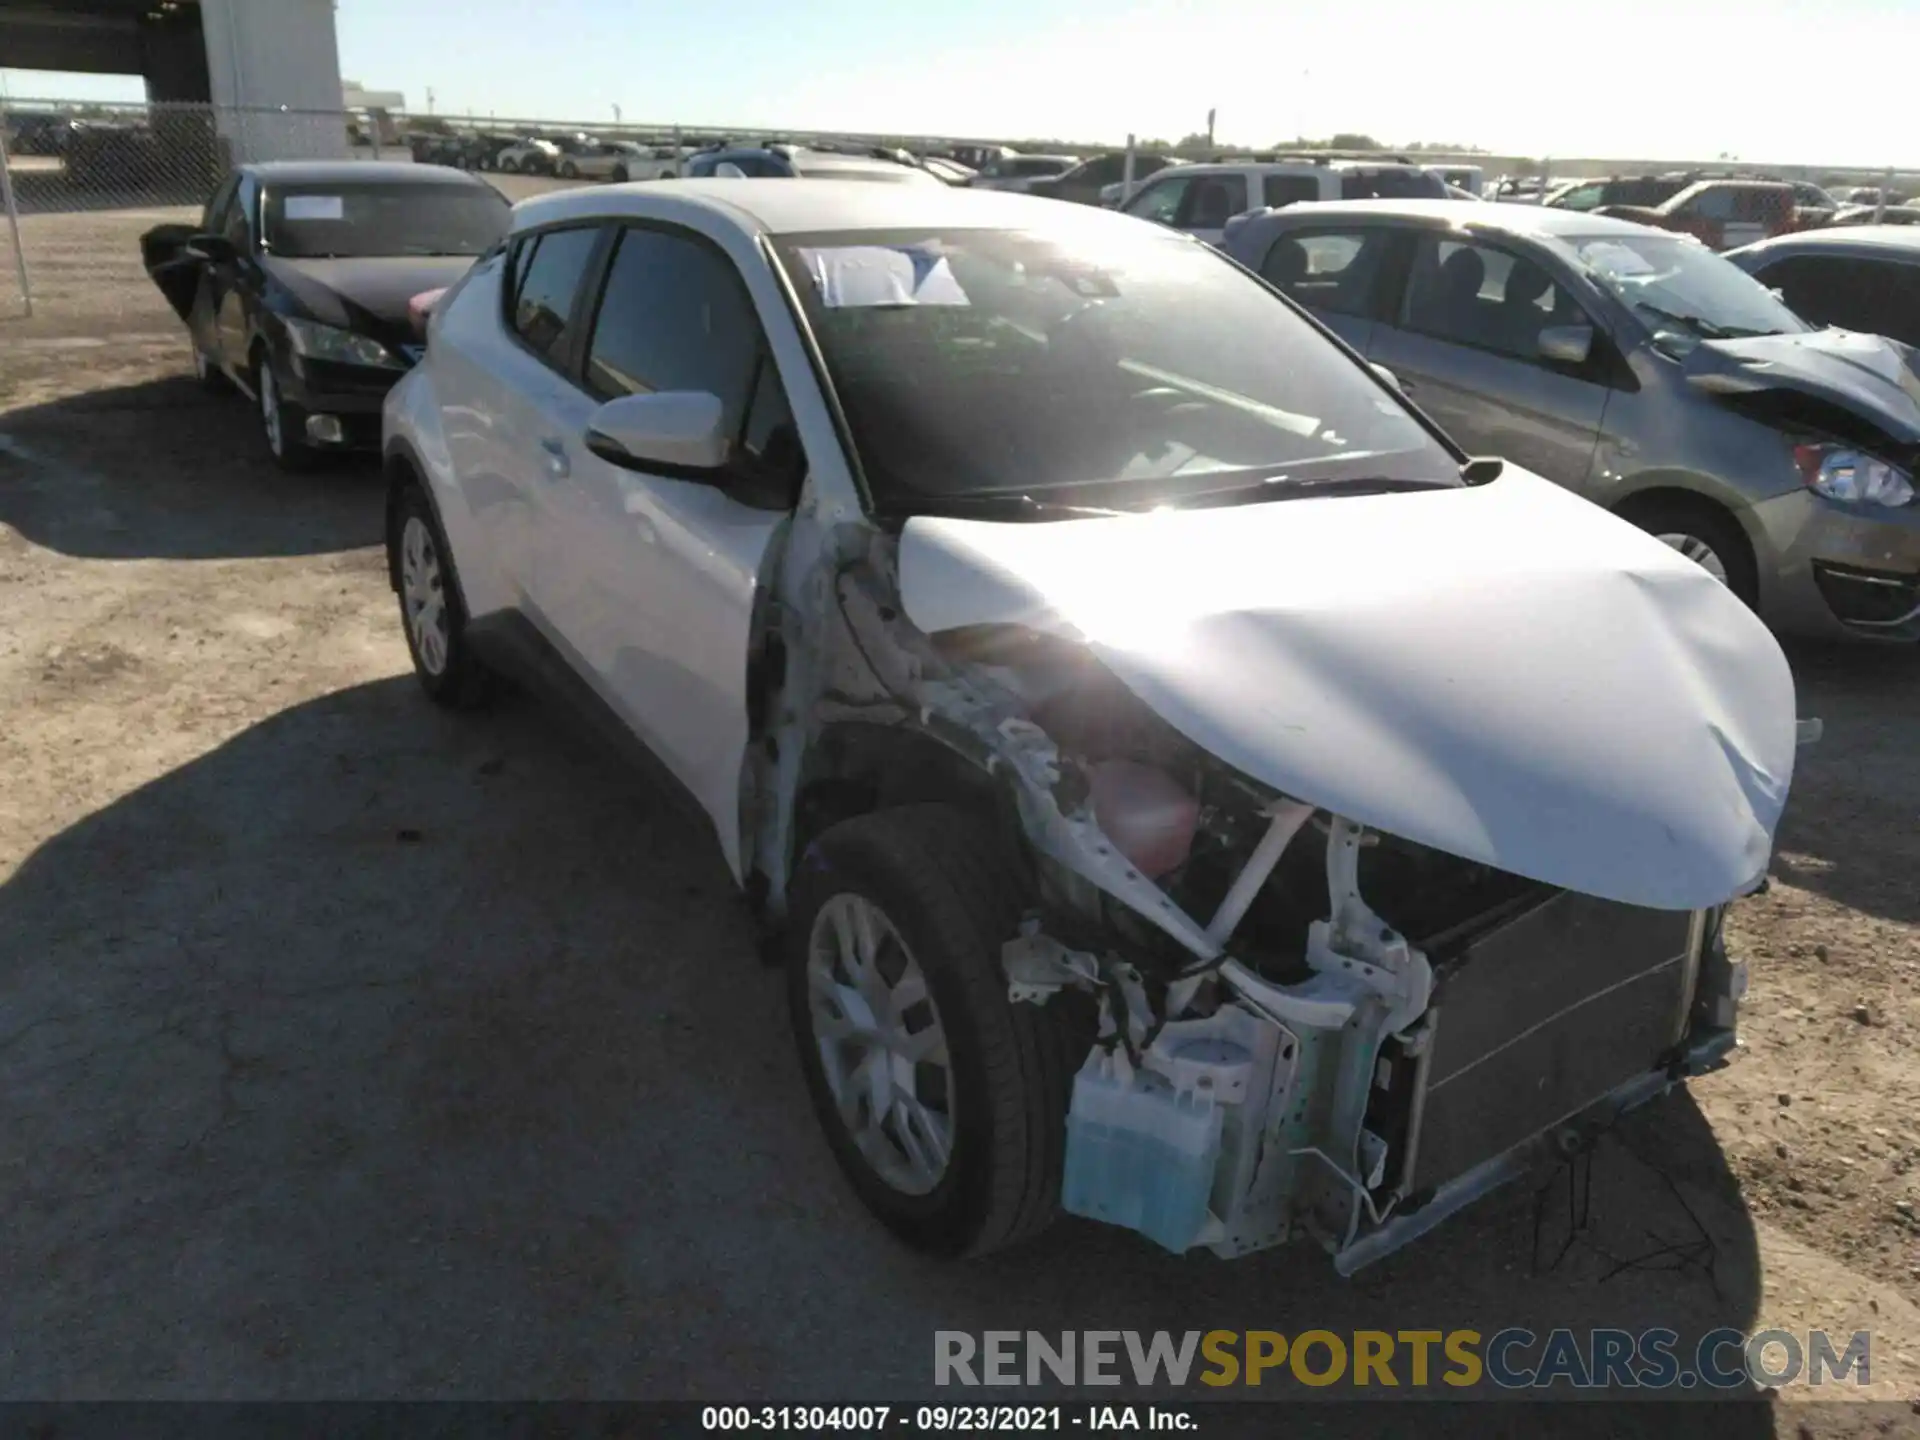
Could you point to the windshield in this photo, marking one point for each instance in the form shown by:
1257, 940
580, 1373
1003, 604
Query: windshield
1682, 291
358, 219
1082, 367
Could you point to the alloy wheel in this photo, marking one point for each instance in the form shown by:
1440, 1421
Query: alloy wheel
1698, 551
270, 410
423, 589
883, 1050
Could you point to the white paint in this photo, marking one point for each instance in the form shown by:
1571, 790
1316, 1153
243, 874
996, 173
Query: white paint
1506, 673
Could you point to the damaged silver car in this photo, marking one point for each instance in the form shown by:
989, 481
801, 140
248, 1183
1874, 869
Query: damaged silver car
1181, 786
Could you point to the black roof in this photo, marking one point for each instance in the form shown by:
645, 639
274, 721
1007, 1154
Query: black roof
346, 172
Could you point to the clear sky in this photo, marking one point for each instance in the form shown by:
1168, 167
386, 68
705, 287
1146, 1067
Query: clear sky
1763, 80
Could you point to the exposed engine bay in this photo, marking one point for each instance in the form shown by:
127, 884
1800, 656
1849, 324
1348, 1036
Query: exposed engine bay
1270, 979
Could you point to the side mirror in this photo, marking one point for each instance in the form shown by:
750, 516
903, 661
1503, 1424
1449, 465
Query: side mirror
1568, 344
1392, 379
681, 433
217, 249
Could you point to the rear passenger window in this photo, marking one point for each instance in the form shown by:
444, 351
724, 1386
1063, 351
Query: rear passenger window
1278, 190
1484, 297
548, 269
1332, 270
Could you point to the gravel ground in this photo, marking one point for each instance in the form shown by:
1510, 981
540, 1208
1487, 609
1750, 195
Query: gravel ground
349, 1049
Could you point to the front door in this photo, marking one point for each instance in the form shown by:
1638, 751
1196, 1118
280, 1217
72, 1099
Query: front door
652, 579
1465, 346
228, 282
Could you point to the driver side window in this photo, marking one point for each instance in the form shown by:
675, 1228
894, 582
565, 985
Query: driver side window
1160, 201
239, 222
675, 315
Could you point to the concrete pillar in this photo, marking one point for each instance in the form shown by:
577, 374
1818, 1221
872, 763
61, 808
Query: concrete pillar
174, 63
273, 68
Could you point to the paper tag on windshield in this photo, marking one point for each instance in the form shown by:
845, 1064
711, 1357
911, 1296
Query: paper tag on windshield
1617, 259
851, 277
315, 207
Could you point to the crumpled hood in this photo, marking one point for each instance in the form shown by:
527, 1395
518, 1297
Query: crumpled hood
1867, 374
369, 294
1506, 672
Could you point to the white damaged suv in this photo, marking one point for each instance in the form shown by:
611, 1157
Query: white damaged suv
1183, 787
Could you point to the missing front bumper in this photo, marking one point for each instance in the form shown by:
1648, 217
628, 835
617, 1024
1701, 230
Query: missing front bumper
1706, 1052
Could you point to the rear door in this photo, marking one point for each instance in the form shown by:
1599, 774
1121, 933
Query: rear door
232, 287
521, 401
653, 580
1464, 342
1337, 272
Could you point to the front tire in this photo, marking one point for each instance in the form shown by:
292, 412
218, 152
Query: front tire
569, 171
282, 425
944, 1102
620, 175
432, 611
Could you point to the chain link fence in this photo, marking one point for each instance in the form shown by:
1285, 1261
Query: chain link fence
81, 182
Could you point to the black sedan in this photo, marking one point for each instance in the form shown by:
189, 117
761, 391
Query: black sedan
295, 286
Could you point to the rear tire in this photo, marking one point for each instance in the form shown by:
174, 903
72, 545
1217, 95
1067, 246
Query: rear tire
949, 895
620, 175
569, 171
1703, 532
433, 613
509, 166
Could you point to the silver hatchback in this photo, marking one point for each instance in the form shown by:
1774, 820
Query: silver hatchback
1644, 372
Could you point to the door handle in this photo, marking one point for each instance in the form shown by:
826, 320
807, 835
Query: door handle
558, 466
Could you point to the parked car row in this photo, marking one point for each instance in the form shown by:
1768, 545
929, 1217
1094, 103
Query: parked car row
1045, 612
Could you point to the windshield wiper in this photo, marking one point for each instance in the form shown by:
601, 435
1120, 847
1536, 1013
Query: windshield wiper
1700, 326
973, 501
1284, 488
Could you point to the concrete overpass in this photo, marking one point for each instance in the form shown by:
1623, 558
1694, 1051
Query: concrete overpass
247, 58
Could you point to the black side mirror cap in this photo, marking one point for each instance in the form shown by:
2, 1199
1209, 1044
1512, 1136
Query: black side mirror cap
1482, 469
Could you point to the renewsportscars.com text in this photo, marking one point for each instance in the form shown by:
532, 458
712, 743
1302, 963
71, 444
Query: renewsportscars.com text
1511, 1359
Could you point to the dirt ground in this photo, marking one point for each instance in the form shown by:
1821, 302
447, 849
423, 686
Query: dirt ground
351, 1049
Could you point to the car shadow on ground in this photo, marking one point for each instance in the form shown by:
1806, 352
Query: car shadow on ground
167, 470
383, 1052
1849, 832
